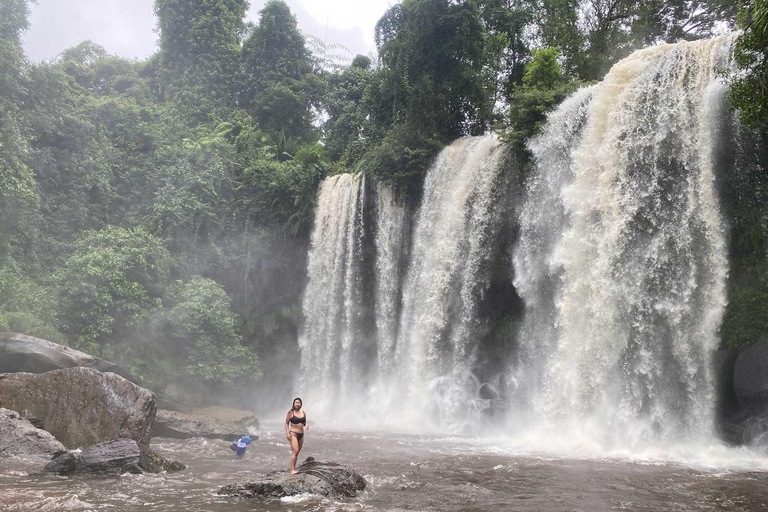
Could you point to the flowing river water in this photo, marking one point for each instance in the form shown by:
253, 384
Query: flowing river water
408, 472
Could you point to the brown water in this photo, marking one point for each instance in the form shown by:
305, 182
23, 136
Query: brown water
404, 472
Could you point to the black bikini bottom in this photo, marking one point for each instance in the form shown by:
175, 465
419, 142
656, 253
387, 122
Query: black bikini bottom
299, 437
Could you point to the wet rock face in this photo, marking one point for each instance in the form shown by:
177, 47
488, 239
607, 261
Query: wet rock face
488, 392
19, 438
750, 377
110, 459
21, 353
81, 406
324, 478
184, 426
151, 462
105, 459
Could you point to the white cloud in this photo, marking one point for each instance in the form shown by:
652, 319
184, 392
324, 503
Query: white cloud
126, 27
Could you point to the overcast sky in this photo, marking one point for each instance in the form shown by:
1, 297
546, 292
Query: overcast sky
126, 27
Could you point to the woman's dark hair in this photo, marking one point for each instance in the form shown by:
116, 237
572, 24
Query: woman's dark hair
294, 401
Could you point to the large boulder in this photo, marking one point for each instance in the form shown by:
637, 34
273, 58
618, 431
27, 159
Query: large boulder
184, 426
106, 459
324, 478
81, 406
21, 353
18, 437
750, 378
109, 459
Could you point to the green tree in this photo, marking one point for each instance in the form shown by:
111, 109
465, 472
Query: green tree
592, 35
113, 281
199, 329
543, 88
281, 86
347, 125
200, 54
749, 88
18, 199
432, 63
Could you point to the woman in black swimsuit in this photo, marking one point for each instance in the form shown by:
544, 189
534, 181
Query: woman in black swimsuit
295, 425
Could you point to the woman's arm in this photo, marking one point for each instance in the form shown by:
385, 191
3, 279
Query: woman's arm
287, 426
306, 421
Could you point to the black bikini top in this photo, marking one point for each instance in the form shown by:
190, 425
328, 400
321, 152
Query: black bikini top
295, 420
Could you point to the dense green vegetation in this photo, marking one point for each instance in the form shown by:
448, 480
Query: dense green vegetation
157, 212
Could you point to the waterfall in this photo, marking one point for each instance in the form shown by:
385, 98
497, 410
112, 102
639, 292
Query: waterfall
390, 322
454, 238
333, 342
351, 303
391, 242
622, 257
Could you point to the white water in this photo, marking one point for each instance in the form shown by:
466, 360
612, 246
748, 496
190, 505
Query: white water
422, 346
623, 272
621, 262
331, 341
391, 243
453, 239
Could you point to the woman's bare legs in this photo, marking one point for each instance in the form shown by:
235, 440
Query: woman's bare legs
295, 449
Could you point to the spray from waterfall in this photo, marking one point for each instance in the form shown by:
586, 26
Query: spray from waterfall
622, 260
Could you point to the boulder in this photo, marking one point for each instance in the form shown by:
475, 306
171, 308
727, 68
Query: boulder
750, 378
112, 458
184, 426
324, 478
151, 462
249, 423
21, 353
107, 459
81, 406
488, 392
241, 418
18, 437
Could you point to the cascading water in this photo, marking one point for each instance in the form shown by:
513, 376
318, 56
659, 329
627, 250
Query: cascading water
351, 303
622, 257
333, 343
388, 339
453, 240
391, 241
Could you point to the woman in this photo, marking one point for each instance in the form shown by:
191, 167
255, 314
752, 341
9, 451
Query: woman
295, 425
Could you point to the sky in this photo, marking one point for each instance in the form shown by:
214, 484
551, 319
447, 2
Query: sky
126, 27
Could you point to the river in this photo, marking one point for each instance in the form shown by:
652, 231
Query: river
413, 472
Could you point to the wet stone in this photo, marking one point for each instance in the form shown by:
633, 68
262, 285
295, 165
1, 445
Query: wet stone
322, 478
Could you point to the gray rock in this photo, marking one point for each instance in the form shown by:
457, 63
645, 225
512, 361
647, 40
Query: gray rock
488, 392
248, 423
18, 437
151, 462
324, 478
112, 458
105, 459
81, 406
750, 378
21, 353
184, 426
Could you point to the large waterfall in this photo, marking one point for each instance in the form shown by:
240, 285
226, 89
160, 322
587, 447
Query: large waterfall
617, 251
622, 259
391, 337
